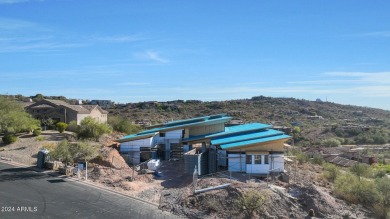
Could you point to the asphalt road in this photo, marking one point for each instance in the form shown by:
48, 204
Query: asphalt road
25, 193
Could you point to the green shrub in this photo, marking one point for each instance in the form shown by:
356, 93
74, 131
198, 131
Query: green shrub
81, 151
251, 201
302, 158
91, 129
383, 185
331, 171
348, 187
39, 138
61, 126
122, 124
37, 132
73, 127
360, 170
9, 139
317, 159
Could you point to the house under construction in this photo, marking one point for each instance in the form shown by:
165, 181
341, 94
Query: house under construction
207, 143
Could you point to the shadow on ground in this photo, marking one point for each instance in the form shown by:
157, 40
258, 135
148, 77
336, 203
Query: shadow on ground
18, 173
172, 174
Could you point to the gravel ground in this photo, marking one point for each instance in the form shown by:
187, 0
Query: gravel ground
172, 189
25, 150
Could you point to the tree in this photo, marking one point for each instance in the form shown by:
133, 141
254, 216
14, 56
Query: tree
61, 126
37, 97
90, 128
122, 124
48, 122
13, 118
296, 132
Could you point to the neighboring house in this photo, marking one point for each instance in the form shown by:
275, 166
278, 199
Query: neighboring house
206, 143
342, 156
102, 103
61, 111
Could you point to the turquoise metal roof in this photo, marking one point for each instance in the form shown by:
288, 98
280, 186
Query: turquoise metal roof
244, 137
135, 136
231, 131
193, 120
182, 125
246, 127
254, 141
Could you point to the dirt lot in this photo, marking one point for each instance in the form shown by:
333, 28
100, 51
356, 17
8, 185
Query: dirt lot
173, 191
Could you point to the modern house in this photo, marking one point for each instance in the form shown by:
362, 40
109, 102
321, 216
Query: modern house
61, 111
207, 143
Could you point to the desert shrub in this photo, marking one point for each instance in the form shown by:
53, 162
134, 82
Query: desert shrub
331, 142
331, 171
122, 124
49, 146
317, 159
37, 132
62, 152
372, 137
9, 139
72, 126
302, 158
61, 126
348, 187
83, 151
360, 170
39, 138
344, 187
383, 185
251, 201
91, 129
70, 153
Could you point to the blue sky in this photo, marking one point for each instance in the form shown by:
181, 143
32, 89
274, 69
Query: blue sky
131, 51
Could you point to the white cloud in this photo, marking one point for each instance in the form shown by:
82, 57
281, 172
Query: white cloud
382, 34
120, 38
364, 77
12, 1
151, 56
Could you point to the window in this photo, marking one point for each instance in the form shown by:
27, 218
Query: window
162, 134
266, 159
257, 159
248, 159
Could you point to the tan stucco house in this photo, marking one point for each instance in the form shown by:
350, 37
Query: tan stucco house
61, 111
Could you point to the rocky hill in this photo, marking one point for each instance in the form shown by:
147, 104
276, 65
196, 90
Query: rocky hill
318, 121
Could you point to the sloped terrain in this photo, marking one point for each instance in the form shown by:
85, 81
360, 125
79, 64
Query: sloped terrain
317, 120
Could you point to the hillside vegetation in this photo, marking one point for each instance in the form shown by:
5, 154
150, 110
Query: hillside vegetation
319, 122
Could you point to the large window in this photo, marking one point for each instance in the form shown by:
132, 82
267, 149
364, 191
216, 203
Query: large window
248, 159
257, 159
266, 159
162, 134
